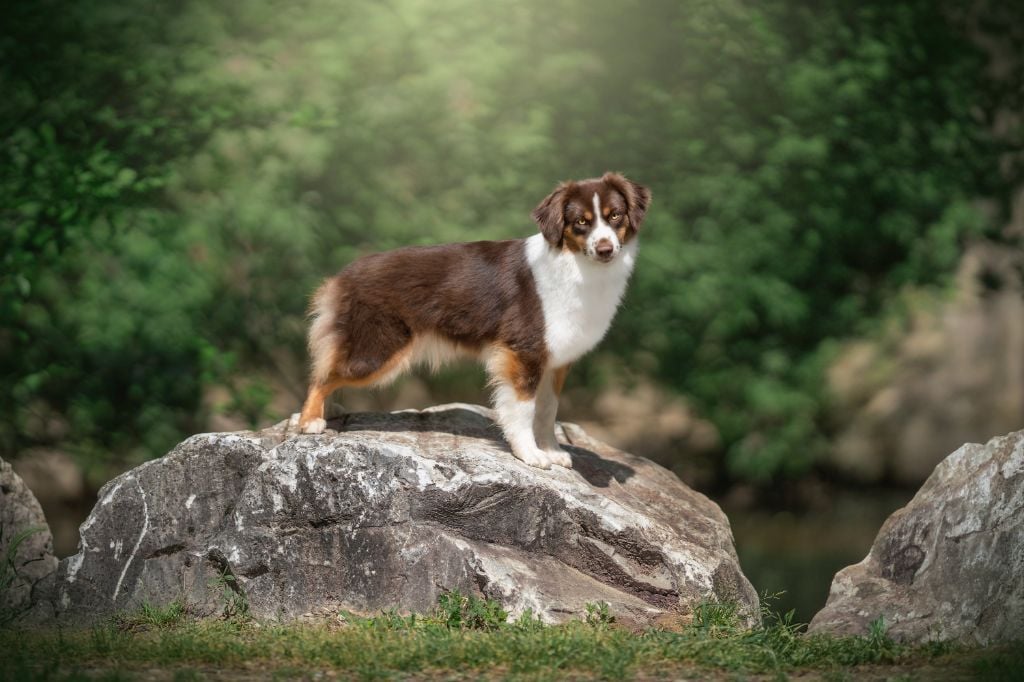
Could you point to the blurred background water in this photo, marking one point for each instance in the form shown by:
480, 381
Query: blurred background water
829, 294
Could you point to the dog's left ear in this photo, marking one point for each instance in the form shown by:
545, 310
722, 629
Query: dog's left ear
638, 197
550, 215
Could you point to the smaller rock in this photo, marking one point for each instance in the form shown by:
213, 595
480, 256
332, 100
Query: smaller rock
949, 565
21, 521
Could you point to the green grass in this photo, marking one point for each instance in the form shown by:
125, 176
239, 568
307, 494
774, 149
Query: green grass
469, 637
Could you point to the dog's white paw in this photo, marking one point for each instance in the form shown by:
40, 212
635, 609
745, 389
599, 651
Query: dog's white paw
535, 457
558, 457
293, 421
315, 426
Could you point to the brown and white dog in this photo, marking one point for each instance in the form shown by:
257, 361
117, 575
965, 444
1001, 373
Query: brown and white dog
528, 308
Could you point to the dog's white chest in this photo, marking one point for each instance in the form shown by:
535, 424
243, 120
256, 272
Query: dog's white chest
579, 296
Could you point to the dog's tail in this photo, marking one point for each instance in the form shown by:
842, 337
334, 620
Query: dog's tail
323, 332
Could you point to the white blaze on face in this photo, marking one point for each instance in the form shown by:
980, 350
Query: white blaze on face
602, 232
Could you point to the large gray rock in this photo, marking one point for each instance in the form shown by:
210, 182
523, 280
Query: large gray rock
389, 510
949, 565
21, 521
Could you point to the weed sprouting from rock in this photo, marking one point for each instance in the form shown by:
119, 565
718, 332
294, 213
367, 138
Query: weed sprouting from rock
467, 612
598, 614
236, 604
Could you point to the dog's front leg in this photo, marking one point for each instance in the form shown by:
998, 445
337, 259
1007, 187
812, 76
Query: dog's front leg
547, 410
515, 416
516, 380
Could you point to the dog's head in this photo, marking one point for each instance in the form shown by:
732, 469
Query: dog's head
593, 217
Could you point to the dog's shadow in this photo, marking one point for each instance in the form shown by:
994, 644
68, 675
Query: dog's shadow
459, 421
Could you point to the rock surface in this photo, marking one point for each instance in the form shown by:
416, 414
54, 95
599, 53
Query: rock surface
389, 510
949, 565
33, 559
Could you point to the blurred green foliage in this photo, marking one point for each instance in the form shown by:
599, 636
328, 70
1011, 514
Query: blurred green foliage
175, 179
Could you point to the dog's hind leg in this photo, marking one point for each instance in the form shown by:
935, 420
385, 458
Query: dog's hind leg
323, 342
547, 410
312, 420
370, 348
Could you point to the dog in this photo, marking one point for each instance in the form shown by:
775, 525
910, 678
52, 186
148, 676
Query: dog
528, 308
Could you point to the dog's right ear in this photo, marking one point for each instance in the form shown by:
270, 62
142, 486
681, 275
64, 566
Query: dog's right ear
550, 215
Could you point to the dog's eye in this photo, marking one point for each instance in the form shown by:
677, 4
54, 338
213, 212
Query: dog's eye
581, 221
615, 216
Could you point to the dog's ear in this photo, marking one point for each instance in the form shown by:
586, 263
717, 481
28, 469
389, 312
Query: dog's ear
550, 214
638, 197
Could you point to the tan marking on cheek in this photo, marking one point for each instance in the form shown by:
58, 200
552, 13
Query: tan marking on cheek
627, 230
572, 241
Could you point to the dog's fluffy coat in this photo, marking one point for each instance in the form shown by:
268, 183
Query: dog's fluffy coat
528, 308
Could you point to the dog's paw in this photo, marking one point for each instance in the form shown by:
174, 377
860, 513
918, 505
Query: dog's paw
315, 426
293, 422
535, 457
558, 457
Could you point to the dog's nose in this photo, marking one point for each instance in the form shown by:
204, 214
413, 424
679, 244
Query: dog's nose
605, 249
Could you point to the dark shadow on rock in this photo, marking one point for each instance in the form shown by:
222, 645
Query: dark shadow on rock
597, 470
458, 421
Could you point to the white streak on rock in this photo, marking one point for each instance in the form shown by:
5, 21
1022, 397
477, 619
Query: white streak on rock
74, 563
142, 534
423, 478
110, 495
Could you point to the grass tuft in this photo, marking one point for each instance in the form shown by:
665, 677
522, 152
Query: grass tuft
599, 615
466, 612
150, 616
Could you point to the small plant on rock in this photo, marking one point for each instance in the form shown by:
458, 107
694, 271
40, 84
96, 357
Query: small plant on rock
598, 614
236, 604
466, 612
